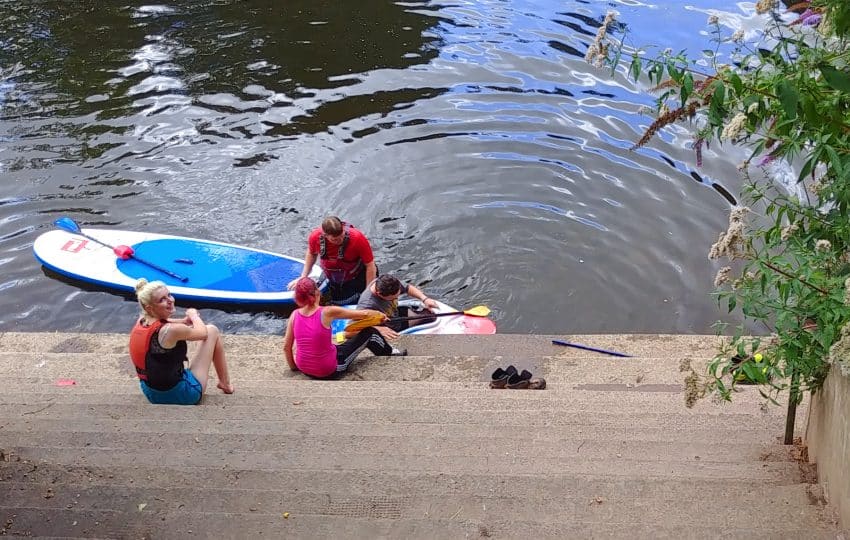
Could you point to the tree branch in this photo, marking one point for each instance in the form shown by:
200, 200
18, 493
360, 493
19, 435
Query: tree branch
789, 276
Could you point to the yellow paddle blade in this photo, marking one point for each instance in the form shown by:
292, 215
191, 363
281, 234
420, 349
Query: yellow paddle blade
478, 311
366, 322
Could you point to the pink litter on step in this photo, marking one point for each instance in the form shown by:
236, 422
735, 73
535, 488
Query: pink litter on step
66, 382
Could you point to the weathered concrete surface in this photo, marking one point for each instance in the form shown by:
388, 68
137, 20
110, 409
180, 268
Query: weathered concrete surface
414, 447
828, 438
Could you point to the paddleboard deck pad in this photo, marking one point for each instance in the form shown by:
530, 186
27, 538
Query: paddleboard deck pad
216, 272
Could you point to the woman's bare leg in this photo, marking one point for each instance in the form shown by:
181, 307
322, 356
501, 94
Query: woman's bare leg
211, 351
220, 364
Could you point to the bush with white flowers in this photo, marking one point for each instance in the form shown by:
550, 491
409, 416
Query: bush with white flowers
787, 98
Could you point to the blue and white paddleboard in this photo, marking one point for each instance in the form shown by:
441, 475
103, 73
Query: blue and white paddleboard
213, 271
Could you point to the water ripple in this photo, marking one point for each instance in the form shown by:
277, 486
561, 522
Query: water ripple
545, 207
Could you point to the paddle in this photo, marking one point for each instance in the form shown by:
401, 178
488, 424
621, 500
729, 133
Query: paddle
123, 252
587, 348
360, 324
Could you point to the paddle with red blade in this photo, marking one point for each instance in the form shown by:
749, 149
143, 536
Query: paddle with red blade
122, 252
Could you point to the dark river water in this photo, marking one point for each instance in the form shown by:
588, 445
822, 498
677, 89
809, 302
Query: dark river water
484, 158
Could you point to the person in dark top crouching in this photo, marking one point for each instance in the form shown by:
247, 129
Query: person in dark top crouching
382, 295
158, 349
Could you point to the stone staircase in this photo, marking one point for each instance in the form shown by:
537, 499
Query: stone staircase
414, 447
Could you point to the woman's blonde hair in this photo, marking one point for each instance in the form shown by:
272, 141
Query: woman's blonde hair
145, 290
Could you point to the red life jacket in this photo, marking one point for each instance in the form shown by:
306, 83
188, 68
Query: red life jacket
338, 270
140, 343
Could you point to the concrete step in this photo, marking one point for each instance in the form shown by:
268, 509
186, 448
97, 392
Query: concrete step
360, 394
609, 506
36, 394
484, 432
549, 445
181, 523
355, 483
503, 414
333, 458
580, 370
508, 346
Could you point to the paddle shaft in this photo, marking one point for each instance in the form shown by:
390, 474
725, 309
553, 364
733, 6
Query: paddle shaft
133, 256
587, 348
427, 316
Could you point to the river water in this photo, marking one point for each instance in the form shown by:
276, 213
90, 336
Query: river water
484, 158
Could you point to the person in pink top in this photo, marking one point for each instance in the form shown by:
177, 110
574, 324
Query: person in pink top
308, 345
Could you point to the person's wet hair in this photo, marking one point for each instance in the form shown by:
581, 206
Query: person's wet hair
387, 285
332, 226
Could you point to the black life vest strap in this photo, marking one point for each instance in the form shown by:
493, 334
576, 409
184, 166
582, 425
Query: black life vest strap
323, 248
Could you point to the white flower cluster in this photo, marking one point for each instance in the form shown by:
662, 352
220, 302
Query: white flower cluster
823, 245
722, 276
598, 50
734, 127
763, 6
731, 242
788, 232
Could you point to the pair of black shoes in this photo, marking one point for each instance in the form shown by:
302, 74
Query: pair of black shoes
511, 379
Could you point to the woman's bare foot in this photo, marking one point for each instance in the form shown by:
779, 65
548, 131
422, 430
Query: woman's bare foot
226, 388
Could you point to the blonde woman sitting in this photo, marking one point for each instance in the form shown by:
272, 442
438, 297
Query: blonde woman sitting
158, 349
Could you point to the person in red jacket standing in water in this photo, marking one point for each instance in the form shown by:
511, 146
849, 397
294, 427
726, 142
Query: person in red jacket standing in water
345, 255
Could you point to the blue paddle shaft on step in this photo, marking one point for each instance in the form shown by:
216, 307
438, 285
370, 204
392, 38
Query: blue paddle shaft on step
586, 348
68, 224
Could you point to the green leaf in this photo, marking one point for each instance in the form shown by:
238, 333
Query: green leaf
634, 69
784, 289
719, 96
834, 160
687, 87
808, 166
840, 80
614, 62
674, 72
654, 73
716, 111
810, 110
788, 97
737, 84
754, 372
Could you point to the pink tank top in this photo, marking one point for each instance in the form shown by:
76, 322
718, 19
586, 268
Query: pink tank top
315, 353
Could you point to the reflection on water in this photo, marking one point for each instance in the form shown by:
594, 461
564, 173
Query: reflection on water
471, 142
